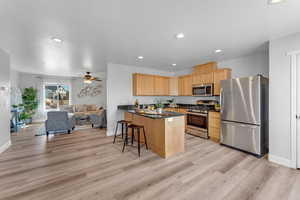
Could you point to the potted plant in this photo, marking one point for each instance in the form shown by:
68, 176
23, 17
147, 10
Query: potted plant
30, 104
159, 106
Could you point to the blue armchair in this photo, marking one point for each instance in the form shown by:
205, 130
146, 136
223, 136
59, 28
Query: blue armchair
59, 121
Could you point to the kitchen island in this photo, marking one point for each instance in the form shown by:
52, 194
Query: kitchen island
164, 132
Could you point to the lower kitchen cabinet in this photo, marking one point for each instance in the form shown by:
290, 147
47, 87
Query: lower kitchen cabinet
214, 126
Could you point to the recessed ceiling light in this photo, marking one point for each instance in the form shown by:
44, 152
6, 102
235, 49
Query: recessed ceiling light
140, 57
174, 64
218, 51
275, 1
179, 35
55, 39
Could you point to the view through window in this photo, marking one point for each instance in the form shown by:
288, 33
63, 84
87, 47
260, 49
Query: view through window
56, 96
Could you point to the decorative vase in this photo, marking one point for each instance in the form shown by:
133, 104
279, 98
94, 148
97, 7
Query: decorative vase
159, 110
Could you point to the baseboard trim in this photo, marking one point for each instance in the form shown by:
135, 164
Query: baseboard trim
5, 146
281, 161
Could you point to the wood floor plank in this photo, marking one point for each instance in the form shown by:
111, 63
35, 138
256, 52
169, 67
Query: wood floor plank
86, 165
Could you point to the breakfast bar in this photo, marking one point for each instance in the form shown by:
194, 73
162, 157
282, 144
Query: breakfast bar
164, 132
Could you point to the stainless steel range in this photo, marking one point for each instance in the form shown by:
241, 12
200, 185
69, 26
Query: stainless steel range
197, 122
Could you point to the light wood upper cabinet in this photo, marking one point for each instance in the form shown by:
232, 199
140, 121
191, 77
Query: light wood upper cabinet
220, 74
143, 85
161, 85
173, 86
200, 78
150, 85
206, 68
185, 85
153, 85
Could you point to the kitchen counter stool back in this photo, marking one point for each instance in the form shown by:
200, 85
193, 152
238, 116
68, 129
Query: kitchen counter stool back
124, 126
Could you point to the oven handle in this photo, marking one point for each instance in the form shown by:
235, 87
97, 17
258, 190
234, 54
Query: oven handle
197, 114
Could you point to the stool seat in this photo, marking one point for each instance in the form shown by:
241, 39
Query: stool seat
135, 126
124, 121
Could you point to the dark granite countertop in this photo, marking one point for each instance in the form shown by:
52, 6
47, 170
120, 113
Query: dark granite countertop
157, 116
179, 105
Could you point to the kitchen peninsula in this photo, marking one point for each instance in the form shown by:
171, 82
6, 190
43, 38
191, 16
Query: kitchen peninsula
164, 132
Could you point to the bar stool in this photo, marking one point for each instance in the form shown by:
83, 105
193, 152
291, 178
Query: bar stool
138, 128
124, 124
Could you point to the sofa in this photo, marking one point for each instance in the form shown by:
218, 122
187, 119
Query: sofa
82, 112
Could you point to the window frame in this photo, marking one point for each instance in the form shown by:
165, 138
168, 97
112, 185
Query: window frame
57, 85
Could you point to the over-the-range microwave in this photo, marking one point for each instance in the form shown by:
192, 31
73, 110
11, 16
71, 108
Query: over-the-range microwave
206, 90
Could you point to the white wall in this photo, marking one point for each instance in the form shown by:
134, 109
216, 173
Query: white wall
280, 138
257, 63
15, 91
4, 101
119, 90
100, 100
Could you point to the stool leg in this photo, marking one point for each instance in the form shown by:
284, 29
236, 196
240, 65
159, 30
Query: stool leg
132, 136
139, 146
145, 138
116, 133
126, 130
122, 129
126, 140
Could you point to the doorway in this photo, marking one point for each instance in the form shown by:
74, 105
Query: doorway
295, 108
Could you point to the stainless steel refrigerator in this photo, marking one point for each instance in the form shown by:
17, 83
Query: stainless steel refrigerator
244, 114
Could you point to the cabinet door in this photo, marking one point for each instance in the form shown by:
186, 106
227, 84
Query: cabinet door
221, 74
207, 78
188, 84
206, 68
173, 86
181, 86
214, 126
161, 86
143, 85
196, 78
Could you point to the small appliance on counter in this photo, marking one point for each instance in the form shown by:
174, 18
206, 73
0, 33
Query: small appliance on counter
244, 114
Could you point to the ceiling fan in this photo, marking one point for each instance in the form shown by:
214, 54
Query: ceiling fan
88, 78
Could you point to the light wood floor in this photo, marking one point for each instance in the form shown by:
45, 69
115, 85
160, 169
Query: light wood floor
86, 165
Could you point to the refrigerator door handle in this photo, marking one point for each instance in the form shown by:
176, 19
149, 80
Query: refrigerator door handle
241, 125
221, 100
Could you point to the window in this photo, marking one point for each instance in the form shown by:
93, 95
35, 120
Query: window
56, 96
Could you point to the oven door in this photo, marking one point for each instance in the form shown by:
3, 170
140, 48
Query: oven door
197, 120
199, 91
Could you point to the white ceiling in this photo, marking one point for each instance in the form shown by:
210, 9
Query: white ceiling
99, 31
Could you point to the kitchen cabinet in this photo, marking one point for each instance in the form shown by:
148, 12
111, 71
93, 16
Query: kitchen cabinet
214, 125
153, 85
143, 85
185, 85
173, 86
218, 76
202, 78
206, 68
161, 86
